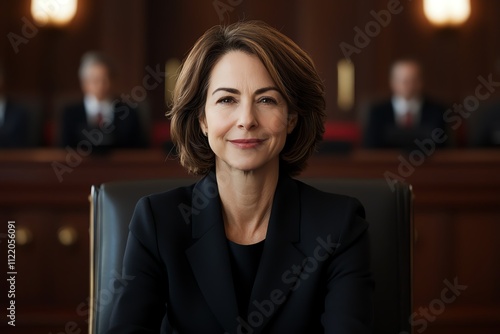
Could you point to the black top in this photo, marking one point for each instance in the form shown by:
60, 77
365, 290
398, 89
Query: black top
245, 261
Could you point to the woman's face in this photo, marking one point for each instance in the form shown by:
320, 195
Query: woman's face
246, 117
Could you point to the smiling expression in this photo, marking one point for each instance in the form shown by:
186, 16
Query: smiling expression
246, 117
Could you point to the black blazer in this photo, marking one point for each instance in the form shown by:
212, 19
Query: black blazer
13, 129
124, 132
381, 130
313, 277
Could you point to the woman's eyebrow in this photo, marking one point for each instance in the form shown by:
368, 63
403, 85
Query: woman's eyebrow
266, 89
229, 90
257, 92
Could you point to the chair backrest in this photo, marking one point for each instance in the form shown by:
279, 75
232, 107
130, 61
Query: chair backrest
389, 213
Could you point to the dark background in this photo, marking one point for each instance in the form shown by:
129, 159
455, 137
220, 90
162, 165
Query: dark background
137, 34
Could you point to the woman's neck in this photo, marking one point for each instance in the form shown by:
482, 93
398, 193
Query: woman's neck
246, 199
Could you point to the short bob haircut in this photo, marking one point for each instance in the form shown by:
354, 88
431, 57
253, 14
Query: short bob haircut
289, 66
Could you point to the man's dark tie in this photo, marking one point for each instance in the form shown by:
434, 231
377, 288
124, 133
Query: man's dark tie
99, 119
408, 120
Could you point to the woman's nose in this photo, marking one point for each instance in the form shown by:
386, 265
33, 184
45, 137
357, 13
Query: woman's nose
247, 119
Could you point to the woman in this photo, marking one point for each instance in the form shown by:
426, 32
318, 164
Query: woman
247, 249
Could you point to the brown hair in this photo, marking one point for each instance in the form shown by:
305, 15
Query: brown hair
288, 65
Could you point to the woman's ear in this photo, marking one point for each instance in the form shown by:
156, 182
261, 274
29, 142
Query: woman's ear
203, 124
292, 122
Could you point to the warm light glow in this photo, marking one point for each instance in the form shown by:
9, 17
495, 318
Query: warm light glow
53, 12
346, 83
447, 12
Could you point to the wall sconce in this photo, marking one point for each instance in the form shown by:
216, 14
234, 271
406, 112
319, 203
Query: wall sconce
447, 12
53, 12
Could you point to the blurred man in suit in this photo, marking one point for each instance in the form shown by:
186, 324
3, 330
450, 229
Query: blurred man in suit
407, 116
485, 131
13, 120
98, 119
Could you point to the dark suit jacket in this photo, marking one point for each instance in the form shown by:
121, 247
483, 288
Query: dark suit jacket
486, 133
13, 129
381, 130
313, 277
124, 132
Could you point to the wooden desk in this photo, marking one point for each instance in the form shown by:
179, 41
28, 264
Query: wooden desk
457, 220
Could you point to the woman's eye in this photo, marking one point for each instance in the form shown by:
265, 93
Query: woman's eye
226, 100
267, 100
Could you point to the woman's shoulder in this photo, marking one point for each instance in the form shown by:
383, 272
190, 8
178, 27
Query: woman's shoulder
163, 209
334, 203
334, 215
171, 197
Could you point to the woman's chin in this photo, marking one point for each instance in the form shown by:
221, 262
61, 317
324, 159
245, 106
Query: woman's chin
247, 166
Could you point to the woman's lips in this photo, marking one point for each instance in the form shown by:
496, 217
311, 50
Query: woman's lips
247, 143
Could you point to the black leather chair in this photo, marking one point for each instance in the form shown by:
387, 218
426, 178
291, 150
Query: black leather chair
388, 212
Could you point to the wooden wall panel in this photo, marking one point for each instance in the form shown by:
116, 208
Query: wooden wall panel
476, 256
433, 248
138, 33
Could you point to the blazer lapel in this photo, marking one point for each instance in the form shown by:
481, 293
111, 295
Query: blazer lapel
281, 261
209, 256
